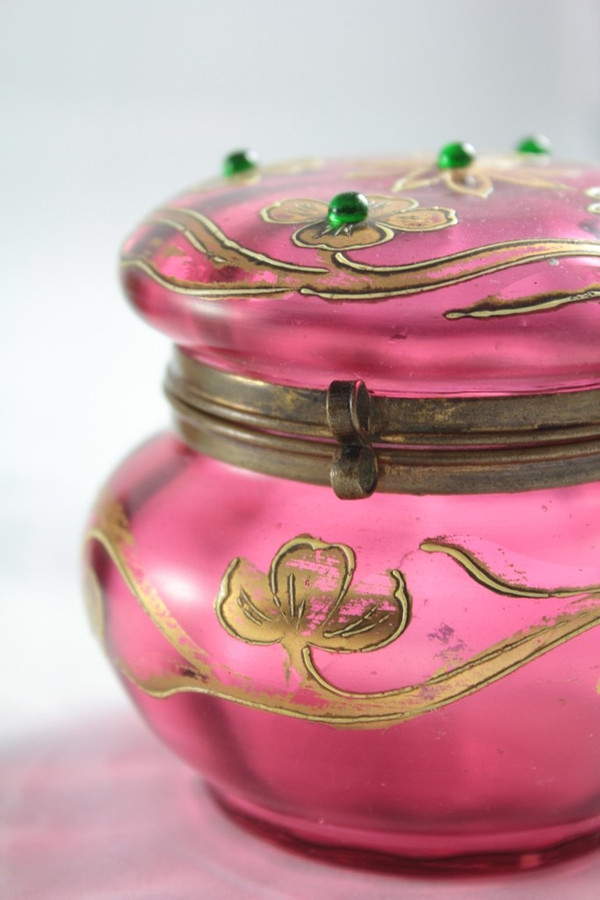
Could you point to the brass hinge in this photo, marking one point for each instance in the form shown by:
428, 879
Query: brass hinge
353, 472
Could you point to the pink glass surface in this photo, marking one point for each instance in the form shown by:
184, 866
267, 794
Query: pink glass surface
511, 768
403, 343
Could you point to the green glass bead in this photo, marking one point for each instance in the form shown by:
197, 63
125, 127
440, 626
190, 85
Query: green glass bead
535, 143
240, 161
347, 209
456, 156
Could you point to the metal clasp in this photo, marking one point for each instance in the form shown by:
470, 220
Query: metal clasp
353, 470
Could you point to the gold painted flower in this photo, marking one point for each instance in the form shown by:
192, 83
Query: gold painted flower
305, 601
476, 179
594, 192
386, 216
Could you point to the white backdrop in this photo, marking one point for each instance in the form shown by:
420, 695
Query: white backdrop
109, 107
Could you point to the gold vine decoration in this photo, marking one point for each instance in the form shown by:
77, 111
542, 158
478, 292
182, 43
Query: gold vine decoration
307, 600
261, 275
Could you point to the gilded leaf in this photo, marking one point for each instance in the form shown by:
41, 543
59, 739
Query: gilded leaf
309, 580
246, 607
366, 621
305, 601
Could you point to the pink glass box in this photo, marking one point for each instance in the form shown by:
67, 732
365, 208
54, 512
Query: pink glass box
358, 586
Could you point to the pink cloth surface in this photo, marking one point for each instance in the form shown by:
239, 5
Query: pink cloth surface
99, 810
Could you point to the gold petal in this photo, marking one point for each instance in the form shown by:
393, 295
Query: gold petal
468, 181
309, 579
430, 218
295, 211
594, 208
420, 177
380, 207
366, 621
527, 179
353, 237
245, 605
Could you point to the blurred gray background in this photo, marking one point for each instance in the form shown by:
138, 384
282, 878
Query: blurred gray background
108, 108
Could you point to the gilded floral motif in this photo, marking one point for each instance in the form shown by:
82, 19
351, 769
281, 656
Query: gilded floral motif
476, 180
386, 216
305, 600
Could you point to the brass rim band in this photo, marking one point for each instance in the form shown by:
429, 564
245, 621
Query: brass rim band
359, 442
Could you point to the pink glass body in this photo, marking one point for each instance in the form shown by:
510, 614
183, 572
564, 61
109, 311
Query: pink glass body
513, 768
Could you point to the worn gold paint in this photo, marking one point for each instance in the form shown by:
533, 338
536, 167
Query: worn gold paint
279, 607
495, 306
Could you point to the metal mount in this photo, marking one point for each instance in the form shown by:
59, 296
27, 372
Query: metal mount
353, 470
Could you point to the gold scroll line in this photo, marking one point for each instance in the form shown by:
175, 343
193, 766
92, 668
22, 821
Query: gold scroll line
207, 238
332, 705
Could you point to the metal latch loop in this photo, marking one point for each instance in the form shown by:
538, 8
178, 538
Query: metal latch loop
353, 472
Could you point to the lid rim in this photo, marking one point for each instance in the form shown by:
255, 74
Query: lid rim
430, 445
